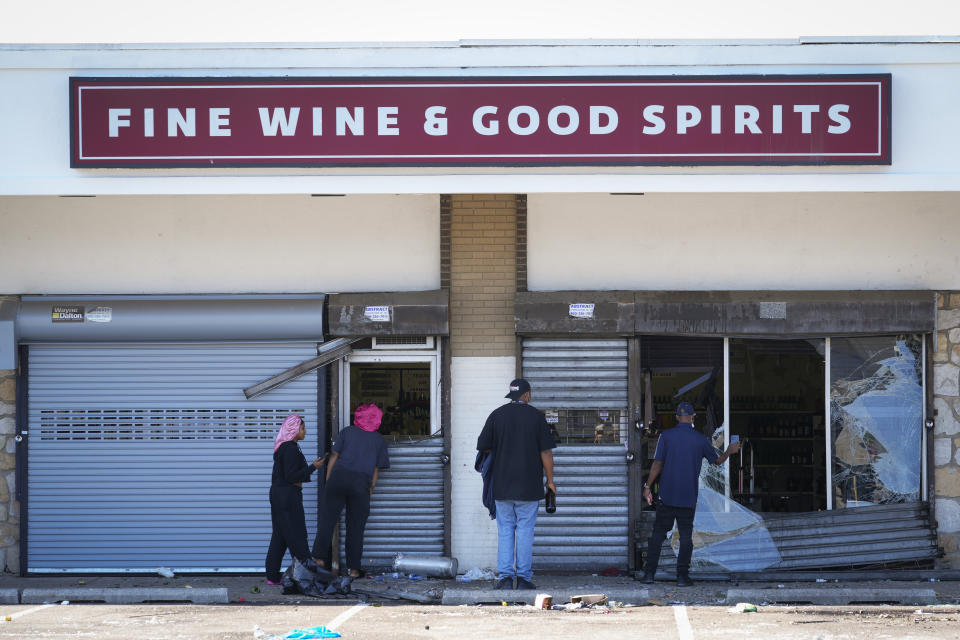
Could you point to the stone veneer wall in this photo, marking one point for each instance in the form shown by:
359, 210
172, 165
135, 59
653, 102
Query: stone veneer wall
9, 508
946, 443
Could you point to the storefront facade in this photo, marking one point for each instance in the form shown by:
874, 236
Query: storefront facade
807, 303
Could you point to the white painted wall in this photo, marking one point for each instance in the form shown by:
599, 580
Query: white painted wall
744, 241
34, 114
219, 244
479, 385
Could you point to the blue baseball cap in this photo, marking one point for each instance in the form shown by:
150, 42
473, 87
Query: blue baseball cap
685, 409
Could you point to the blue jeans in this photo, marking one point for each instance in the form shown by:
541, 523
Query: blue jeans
515, 522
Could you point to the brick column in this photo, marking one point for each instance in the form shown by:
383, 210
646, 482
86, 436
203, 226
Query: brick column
946, 443
483, 276
483, 238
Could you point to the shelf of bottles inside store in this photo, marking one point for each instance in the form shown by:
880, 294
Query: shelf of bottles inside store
781, 454
586, 426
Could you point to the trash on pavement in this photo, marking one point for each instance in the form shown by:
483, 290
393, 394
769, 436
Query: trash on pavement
543, 601
743, 607
312, 633
166, 573
254, 589
299, 634
416, 597
477, 574
308, 579
589, 598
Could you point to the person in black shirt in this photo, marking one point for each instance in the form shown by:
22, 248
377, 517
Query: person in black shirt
290, 471
517, 436
355, 463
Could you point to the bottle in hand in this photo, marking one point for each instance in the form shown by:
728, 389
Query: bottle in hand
551, 499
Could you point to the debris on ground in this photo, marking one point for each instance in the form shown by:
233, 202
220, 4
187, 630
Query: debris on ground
416, 597
543, 601
313, 633
166, 573
476, 574
589, 598
743, 607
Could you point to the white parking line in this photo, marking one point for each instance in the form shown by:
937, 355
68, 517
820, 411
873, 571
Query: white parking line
683, 622
346, 615
14, 616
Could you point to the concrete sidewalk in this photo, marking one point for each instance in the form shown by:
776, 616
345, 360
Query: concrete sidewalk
253, 589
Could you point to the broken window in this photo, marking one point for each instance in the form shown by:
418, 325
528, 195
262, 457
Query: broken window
876, 413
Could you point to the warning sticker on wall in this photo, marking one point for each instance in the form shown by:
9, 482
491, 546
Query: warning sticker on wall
377, 314
581, 310
66, 314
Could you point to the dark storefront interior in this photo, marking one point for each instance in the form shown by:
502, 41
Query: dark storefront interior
401, 390
777, 411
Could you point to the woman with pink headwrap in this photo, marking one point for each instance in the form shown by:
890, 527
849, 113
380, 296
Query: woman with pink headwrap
352, 472
290, 471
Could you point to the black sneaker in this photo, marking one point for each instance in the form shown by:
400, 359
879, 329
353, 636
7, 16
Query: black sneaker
648, 578
504, 583
523, 583
683, 580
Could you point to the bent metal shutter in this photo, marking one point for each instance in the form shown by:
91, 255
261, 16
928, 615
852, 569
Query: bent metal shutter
578, 380
406, 509
147, 456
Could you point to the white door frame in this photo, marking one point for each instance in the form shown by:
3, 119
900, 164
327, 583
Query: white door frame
398, 356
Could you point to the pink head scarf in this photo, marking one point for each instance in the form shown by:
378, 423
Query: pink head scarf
368, 417
288, 430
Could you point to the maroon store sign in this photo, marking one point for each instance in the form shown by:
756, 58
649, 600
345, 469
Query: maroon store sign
687, 120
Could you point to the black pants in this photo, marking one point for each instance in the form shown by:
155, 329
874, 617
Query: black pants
662, 525
344, 488
289, 528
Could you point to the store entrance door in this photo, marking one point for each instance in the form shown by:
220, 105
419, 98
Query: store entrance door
406, 511
777, 411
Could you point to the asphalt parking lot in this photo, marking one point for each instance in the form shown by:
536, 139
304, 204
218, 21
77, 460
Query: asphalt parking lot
252, 610
362, 621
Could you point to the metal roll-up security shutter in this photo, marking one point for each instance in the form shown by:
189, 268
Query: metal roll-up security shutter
147, 456
576, 374
406, 511
580, 381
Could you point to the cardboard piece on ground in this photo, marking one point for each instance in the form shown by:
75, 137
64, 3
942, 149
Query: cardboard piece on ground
543, 601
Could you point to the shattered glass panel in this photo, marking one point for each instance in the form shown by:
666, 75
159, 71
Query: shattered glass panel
876, 411
726, 535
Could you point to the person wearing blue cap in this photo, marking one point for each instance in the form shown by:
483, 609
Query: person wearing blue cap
680, 453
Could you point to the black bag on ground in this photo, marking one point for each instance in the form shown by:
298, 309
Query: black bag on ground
308, 579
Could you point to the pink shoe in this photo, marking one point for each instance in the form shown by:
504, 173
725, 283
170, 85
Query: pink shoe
272, 583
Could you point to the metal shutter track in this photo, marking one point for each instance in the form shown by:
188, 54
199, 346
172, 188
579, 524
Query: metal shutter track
590, 528
150, 456
406, 511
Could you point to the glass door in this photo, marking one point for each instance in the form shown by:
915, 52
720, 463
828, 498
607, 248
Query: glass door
777, 411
